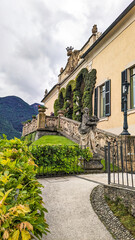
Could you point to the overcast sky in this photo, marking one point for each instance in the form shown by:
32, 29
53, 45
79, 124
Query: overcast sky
34, 35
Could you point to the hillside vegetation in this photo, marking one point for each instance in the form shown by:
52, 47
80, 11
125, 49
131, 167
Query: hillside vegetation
14, 111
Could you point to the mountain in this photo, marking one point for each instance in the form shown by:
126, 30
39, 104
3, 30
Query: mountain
35, 106
14, 111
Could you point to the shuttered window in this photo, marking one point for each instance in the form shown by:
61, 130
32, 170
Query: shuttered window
96, 102
108, 98
104, 99
132, 87
123, 79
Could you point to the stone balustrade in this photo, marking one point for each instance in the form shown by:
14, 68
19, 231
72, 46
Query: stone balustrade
51, 122
69, 127
95, 138
29, 127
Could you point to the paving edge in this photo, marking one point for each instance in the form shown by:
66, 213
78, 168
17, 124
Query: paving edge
106, 216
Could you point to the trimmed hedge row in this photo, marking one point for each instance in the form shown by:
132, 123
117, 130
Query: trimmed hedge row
59, 158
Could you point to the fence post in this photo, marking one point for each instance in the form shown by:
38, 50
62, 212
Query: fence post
106, 159
109, 172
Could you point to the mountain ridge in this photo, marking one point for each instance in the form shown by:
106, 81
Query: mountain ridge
14, 111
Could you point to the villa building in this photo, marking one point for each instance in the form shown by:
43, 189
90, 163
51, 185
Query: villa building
112, 57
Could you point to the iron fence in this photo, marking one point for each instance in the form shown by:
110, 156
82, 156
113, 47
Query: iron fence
120, 162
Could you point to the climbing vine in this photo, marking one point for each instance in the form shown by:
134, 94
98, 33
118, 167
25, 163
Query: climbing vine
59, 102
90, 81
68, 102
77, 95
56, 107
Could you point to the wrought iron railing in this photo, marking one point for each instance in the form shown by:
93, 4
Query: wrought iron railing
120, 162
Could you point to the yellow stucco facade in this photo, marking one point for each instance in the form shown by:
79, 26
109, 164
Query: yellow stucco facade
50, 99
109, 55
110, 62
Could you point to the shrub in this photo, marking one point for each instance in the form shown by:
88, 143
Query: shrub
53, 159
21, 209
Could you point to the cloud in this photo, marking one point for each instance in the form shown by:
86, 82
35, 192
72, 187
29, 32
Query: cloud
34, 35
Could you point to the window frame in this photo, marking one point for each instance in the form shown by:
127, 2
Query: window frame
103, 110
130, 76
97, 100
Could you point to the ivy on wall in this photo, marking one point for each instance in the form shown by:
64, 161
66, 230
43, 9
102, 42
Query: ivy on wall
77, 95
56, 107
68, 103
59, 103
90, 81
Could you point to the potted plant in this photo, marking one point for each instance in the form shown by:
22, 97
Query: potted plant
41, 108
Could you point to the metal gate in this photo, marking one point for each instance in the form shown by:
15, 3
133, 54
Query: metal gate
120, 162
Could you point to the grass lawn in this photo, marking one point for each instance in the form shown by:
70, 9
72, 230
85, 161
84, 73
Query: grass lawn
53, 140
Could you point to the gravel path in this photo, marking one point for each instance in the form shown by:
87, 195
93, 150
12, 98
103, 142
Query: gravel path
70, 214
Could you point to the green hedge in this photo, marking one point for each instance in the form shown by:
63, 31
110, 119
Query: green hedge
64, 159
22, 214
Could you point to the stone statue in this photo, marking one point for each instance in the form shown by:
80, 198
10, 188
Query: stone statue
92, 122
46, 92
69, 50
94, 29
87, 122
85, 118
61, 70
72, 60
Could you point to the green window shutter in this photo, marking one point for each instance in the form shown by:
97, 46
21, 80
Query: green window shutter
96, 102
123, 79
108, 98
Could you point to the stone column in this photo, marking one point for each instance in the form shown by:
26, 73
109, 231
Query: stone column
41, 118
60, 114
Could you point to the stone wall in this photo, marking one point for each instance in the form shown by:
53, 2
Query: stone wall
127, 196
69, 128
30, 127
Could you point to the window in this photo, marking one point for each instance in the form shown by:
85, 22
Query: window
102, 101
132, 87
